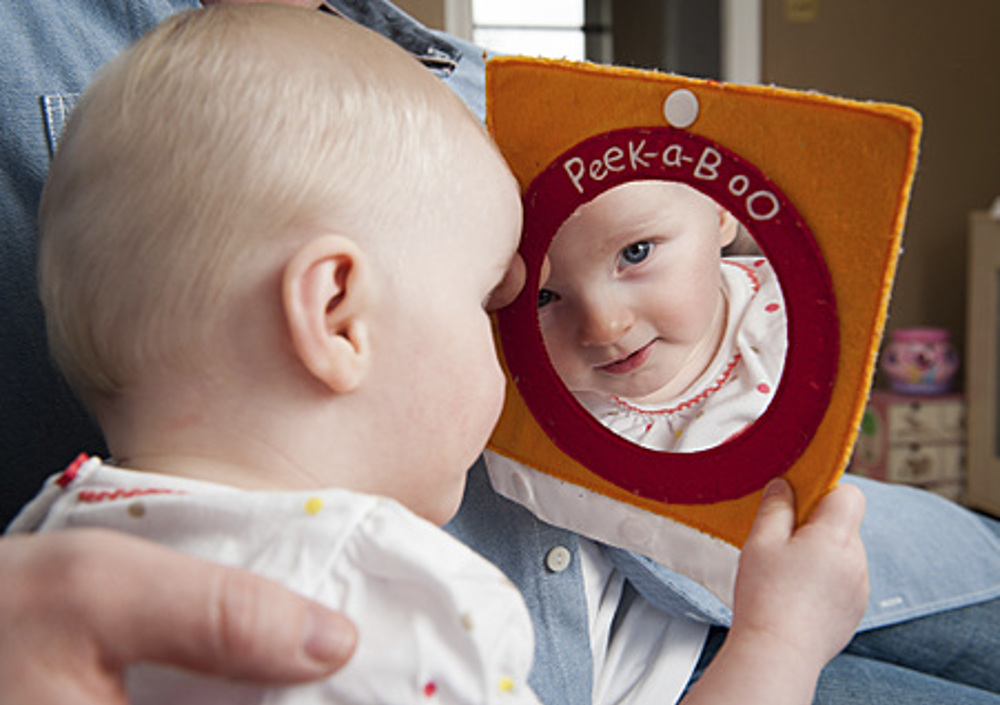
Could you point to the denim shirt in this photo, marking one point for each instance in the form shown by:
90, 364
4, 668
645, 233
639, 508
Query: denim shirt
925, 554
49, 51
459, 63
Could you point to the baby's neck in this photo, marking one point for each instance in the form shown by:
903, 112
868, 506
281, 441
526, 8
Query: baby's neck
249, 441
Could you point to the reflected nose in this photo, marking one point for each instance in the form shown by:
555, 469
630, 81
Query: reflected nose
604, 322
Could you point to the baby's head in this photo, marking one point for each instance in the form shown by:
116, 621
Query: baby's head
256, 194
633, 306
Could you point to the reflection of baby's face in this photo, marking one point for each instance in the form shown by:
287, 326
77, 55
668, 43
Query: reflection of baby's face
633, 306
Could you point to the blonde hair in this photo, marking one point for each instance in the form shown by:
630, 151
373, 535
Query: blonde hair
217, 132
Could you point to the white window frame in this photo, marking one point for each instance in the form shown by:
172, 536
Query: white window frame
742, 31
742, 45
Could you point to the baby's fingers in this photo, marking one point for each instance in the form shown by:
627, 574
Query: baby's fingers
775, 520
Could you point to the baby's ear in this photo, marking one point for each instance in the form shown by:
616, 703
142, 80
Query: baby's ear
326, 296
729, 227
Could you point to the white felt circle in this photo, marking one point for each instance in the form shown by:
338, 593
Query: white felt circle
681, 108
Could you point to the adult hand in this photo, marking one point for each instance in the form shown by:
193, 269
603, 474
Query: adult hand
77, 608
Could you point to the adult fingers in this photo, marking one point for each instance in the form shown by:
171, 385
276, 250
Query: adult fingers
142, 602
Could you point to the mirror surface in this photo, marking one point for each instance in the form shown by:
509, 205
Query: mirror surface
662, 317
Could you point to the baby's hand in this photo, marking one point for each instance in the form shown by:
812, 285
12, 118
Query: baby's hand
803, 591
800, 594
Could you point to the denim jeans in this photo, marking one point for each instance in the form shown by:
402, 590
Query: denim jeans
948, 657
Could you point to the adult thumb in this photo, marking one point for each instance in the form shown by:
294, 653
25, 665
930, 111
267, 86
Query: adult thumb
175, 609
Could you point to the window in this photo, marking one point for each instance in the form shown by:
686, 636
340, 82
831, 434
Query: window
554, 28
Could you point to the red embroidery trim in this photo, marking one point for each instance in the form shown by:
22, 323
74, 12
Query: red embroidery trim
94, 496
687, 404
72, 470
754, 279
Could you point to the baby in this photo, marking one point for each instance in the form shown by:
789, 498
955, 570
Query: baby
268, 241
268, 247
662, 343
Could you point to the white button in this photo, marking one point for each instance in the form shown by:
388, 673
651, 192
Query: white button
681, 108
558, 559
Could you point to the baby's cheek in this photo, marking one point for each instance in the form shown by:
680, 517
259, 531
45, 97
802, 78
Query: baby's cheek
687, 317
497, 397
484, 384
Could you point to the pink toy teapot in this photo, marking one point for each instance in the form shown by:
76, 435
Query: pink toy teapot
920, 361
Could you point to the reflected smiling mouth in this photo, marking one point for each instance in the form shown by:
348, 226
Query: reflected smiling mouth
630, 362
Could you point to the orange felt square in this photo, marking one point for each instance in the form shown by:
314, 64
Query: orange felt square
822, 183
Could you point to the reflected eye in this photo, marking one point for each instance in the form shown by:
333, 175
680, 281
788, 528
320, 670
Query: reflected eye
545, 297
635, 253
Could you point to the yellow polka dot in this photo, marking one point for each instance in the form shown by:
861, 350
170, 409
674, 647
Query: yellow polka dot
314, 505
506, 685
137, 510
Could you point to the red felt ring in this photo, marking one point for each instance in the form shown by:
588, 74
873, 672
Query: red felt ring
766, 448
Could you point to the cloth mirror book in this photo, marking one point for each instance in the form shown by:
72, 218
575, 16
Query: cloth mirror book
656, 431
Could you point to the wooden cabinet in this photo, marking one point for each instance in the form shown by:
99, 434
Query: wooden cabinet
916, 440
982, 368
